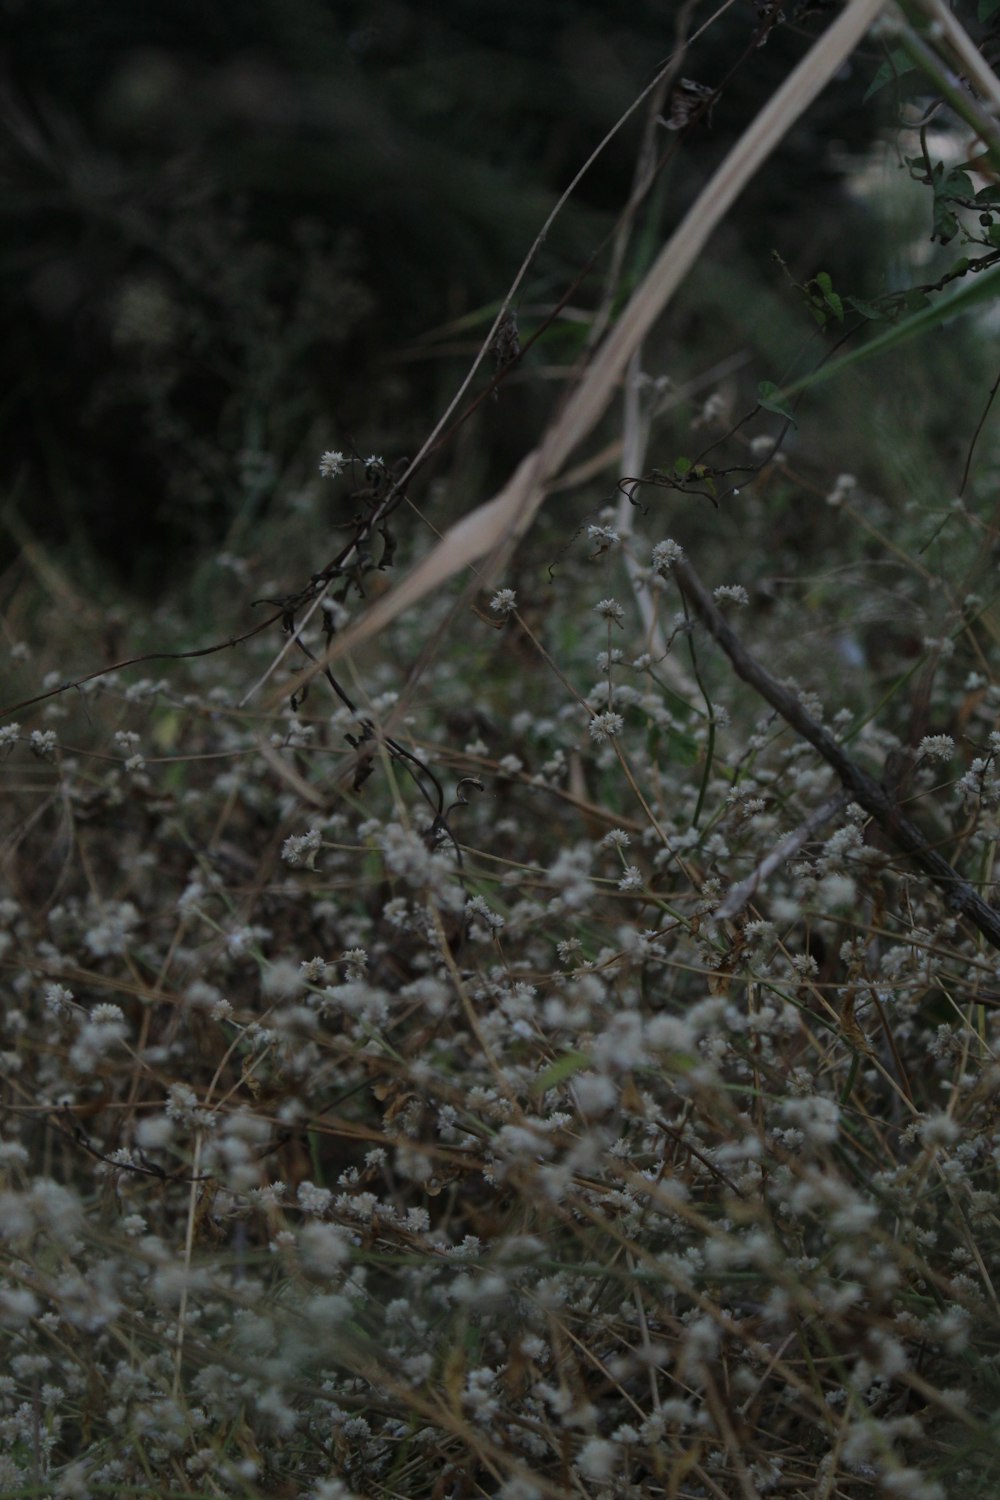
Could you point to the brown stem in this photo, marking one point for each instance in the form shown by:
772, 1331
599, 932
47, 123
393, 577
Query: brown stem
959, 895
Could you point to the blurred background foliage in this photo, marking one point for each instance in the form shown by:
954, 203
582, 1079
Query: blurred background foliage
232, 235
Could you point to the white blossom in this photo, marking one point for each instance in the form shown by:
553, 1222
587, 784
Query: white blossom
331, 464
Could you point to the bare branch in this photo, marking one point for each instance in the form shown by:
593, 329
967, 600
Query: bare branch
870, 794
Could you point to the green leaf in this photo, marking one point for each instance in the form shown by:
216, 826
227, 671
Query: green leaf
682, 467
924, 315
560, 1070
823, 300
987, 8
955, 184
868, 310
835, 305
771, 398
896, 64
948, 186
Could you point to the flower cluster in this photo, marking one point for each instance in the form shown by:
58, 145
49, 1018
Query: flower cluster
410, 1091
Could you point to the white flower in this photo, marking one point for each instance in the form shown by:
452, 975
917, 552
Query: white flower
598, 1459
301, 850
111, 932
43, 743
845, 485
937, 746
58, 1000
477, 907
610, 609
665, 554
18, 1306
331, 464
606, 726
939, 1130
313, 1199
731, 593
314, 971
324, 1248
504, 602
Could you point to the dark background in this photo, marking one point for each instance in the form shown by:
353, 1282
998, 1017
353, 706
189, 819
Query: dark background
235, 234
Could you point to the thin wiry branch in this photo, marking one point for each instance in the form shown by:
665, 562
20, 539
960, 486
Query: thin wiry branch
959, 895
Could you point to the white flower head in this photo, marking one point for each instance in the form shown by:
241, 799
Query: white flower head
609, 609
605, 726
843, 489
331, 464
665, 554
300, 850
937, 747
43, 743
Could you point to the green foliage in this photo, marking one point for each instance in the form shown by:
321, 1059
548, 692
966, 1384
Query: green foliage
826, 304
951, 185
895, 66
769, 396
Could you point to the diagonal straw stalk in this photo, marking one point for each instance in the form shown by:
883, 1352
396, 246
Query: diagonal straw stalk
494, 527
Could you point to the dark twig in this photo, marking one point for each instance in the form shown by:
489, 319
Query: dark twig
975, 436
959, 895
135, 661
